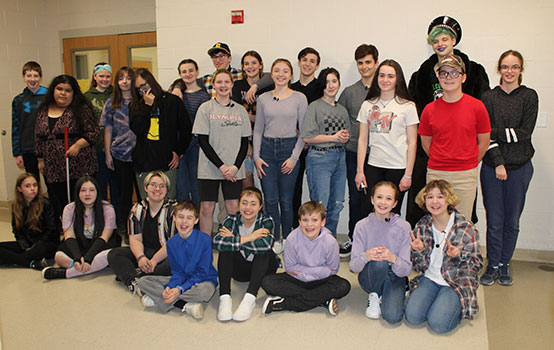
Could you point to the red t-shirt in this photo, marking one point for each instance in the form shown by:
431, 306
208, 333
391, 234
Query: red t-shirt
454, 128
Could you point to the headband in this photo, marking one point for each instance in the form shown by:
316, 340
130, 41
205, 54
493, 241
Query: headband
102, 67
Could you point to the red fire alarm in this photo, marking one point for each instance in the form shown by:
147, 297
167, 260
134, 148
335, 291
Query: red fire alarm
237, 16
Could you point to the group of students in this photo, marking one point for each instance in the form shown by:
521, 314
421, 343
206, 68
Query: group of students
218, 130
169, 263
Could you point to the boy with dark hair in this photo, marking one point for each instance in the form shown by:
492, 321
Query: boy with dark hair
193, 276
367, 61
308, 62
311, 263
24, 112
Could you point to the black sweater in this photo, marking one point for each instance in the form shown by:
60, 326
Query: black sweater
174, 134
49, 228
513, 117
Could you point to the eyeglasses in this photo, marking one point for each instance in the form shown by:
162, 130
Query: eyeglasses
513, 68
454, 74
219, 56
156, 186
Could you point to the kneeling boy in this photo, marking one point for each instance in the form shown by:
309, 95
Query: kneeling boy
311, 263
193, 277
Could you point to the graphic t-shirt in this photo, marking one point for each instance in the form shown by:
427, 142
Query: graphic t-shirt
387, 123
225, 126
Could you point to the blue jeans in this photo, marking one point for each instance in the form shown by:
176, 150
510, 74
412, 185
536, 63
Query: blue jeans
377, 277
504, 201
354, 196
278, 188
187, 175
326, 174
439, 305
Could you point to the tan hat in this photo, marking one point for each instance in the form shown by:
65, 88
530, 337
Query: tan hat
453, 61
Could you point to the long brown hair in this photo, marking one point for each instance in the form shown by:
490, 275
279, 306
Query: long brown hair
32, 221
400, 89
117, 94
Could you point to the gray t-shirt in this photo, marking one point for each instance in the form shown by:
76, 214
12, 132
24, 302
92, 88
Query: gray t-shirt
279, 119
323, 119
225, 126
352, 98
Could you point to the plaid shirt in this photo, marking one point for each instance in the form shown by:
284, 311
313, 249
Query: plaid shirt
459, 272
259, 246
166, 227
207, 80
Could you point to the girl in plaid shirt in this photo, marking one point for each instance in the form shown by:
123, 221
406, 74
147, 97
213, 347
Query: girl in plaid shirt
244, 242
445, 251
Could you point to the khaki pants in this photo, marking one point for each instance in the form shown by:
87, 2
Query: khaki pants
464, 184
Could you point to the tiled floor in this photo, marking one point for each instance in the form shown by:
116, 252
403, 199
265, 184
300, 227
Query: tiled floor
96, 312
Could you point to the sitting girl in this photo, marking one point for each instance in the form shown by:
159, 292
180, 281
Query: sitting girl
445, 251
244, 243
381, 254
87, 225
34, 224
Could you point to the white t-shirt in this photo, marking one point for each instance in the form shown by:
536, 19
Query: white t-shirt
437, 254
387, 123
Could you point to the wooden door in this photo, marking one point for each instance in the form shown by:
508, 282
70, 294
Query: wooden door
132, 50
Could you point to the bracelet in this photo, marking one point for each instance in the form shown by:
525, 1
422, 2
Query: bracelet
140, 257
407, 177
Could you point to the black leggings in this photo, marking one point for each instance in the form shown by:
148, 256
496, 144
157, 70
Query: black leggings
233, 264
374, 175
124, 264
11, 253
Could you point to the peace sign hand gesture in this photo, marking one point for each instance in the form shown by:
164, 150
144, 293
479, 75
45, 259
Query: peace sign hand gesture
452, 250
416, 243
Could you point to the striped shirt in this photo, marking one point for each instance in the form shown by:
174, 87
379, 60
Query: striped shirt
166, 227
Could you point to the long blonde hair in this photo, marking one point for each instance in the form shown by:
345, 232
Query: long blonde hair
32, 221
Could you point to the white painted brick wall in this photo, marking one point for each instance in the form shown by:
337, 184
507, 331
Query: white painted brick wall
335, 29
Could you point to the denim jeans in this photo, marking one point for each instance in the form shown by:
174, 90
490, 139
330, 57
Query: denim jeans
326, 174
187, 175
278, 188
354, 196
377, 277
439, 305
504, 201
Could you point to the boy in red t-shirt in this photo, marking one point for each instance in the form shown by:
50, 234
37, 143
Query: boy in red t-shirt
455, 133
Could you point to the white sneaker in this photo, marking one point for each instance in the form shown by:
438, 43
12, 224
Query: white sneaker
225, 310
147, 301
196, 310
373, 309
279, 246
245, 308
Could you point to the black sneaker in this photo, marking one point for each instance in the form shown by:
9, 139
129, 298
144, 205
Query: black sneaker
272, 304
490, 275
345, 249
504, 276
52, 273
134, 288
39, 265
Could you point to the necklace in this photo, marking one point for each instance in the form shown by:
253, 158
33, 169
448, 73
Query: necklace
385, 104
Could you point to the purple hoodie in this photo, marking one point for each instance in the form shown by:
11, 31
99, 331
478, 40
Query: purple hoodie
313, 260
394, 235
